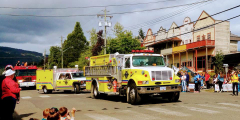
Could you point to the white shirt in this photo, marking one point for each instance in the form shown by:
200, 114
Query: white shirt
183, 77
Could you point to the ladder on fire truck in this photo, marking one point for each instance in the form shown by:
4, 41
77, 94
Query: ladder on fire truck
105, 70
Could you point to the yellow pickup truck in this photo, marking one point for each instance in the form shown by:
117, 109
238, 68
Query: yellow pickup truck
60, 79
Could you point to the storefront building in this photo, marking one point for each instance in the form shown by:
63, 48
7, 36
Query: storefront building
192, 46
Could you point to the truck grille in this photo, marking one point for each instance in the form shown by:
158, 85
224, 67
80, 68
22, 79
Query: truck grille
162, 75
27, 79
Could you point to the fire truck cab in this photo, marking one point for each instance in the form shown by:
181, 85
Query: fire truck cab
132, 75
26, 75
60, 79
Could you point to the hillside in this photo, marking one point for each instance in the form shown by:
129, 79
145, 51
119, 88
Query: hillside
11, 56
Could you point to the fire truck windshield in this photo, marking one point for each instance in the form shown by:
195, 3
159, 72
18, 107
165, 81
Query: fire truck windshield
147, 61
29, 72
77, 75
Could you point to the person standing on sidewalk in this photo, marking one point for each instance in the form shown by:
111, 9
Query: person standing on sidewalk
220, 81
9, 90
207, 77
235, 83
196, 81
183, 78
187, 79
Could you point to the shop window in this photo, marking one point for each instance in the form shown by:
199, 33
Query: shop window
209, 36
188, 65
198, 38
203, 37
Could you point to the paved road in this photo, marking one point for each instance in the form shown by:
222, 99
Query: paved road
197, 106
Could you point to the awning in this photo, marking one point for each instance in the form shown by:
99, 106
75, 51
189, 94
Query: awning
163, 41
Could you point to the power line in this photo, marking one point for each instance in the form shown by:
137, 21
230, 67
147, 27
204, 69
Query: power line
90, 6
198, 29
160, 19
109, 13
210, 16
154, 21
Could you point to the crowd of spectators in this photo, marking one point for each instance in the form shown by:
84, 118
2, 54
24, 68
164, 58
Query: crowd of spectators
207, 80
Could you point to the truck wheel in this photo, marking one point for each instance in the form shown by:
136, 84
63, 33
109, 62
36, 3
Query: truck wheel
45, 91
133, 96
94, 91
76, 89
173, 97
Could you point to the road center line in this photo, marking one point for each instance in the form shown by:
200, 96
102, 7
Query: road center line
100, 117
230, 104
220, 107
201, 110
26, 97
44, 96
168, 112
138, 115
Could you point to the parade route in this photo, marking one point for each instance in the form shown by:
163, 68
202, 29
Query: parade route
198, 106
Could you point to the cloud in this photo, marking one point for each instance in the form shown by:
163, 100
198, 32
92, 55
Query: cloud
37, 34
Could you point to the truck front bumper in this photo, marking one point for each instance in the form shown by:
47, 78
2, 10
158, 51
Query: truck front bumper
27, 84
159, 89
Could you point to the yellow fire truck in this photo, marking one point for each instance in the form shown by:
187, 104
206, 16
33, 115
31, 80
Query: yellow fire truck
132, 75
60, 79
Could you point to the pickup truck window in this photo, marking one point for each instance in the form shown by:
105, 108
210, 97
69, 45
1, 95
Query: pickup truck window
77, 75
68, 76
147, 61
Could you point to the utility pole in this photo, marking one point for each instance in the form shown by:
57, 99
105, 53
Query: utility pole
44, 58
106, 24
62, 50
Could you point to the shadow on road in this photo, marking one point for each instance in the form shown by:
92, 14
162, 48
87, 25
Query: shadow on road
145, 100
65, 92
28, 88
22, 116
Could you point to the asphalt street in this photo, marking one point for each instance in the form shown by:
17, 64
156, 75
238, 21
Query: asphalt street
197, 106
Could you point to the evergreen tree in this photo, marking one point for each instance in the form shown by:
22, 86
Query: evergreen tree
141, 33
75, 44
55, 56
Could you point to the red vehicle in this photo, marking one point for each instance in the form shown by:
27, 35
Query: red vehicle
26, 75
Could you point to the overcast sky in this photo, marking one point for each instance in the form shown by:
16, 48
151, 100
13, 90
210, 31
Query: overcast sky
39, 33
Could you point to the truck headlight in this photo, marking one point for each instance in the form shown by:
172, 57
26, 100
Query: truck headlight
176, 80
142, 82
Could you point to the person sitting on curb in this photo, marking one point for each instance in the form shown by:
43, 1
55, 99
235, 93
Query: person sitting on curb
53, 115
63, 111
45, 113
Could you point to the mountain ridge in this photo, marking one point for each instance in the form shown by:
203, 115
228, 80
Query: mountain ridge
10, 56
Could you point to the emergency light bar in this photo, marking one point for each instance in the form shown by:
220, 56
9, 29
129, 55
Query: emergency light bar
142, 51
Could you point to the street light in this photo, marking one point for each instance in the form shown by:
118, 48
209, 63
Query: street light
64, 51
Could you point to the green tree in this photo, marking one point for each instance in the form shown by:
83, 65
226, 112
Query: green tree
97, 48
82, 61
118, 28
124, 43
75, 44
55, 56
141, 33
93, 36
219, 62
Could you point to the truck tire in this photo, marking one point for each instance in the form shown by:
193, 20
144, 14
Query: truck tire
94, 91
76, 89
173, 97
133, 96
45, 91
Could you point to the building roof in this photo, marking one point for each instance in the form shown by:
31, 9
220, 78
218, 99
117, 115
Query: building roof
164, 41
234, 37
